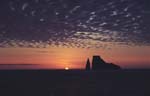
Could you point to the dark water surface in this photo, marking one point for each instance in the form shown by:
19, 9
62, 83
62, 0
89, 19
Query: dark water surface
74, 83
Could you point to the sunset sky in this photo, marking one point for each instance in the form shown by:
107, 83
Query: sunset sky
64, 33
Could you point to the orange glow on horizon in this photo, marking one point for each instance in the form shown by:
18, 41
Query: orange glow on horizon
74, 58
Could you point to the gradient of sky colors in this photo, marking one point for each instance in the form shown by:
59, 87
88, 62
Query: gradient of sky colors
64, 33
75, 58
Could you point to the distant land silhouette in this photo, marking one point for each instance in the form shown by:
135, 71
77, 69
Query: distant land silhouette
99, 64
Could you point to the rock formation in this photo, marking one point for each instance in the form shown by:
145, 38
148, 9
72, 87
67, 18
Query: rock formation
99, 64
88, 64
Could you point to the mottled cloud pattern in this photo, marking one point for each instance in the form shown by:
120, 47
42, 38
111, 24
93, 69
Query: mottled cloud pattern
74, 23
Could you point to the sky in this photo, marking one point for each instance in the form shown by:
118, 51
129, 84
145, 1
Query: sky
64, 33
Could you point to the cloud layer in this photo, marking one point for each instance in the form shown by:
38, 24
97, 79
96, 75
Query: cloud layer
74, 23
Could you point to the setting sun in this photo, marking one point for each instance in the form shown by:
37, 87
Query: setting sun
66, 68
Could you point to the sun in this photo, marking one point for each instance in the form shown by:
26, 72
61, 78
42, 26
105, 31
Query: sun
66, 68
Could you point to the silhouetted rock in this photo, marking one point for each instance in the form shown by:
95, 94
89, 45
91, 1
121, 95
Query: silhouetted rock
99, 64
88, 64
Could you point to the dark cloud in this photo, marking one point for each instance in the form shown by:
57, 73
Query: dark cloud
74, 23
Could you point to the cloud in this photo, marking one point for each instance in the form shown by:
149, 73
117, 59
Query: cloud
82, 24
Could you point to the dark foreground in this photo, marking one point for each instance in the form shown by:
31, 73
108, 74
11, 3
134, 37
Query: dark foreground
75, 83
